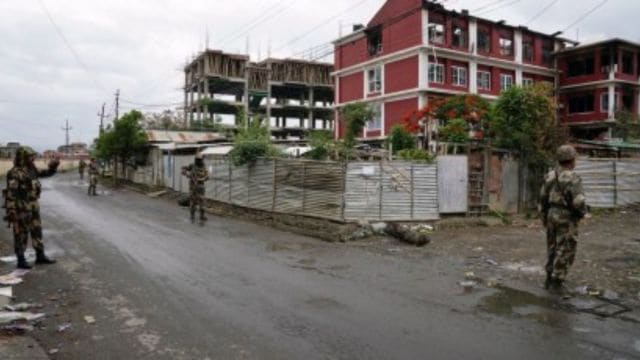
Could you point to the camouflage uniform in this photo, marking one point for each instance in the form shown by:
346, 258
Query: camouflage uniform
562, 205
81, 166
198, 175
33, 198
93, 178
16, 204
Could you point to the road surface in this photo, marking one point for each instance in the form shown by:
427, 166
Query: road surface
161, 287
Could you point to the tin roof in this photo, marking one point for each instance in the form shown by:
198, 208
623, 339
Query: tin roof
182, 137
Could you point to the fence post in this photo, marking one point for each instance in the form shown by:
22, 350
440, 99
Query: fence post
412, 192
344, 190
304, 192
380, 190
275, 186
615, 183
248, 184
230, 183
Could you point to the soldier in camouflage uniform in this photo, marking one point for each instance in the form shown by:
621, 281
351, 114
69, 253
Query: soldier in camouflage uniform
562, 205
81, 166
198, 175
35, 224
16, 204
93, 177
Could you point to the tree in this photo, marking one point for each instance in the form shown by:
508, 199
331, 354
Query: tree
321, 143
251, 143
524, 120
124, 140
400, 139
356, 116
627, 126
455, 131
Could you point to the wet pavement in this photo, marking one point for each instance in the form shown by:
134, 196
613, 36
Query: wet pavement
161, 287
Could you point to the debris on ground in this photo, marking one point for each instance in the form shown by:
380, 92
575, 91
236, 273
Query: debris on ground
6, 294
16, 329
416, 235
19, 307
468, 285
379, 228
7, 317
10, 279
53, 351
89, 319
610, 295
64, 327
156, 194
493, 282
491, 262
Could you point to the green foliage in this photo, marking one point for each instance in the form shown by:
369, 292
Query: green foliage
400, 139
321, 143
251, 143
455, 131
124, 140
415, 155
471, 108
627, 126
524, 120
356, 116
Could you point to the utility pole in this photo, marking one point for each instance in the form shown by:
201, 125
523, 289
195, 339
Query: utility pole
66, 129
117, 103
101, 114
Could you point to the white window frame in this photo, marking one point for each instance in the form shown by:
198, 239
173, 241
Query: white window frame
437, 75
374, 85
456, 78
437, 37
375, 123
527, 81
481, 80
503, 83
605, 95
502, 44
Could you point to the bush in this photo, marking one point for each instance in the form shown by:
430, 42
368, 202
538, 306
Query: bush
251, 143
456, 131
400, 139
415, 155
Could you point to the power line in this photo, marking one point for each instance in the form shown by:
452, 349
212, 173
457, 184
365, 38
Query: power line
487, 5
502, 6
581, 18
544, 9
68, 44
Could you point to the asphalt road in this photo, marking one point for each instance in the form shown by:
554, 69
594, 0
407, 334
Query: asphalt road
161, 287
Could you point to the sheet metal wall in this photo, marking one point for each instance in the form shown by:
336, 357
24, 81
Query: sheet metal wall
610, 183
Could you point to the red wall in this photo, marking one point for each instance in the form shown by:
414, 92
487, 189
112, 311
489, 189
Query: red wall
402, 34
448, 74
351, 87
351, 53
393, 8
394, 111
593, 116
401, 75
448, 21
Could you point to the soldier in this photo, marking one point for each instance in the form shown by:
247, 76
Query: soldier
93, 177
35, 225
562, 206
197, 174
16, 205
81, 166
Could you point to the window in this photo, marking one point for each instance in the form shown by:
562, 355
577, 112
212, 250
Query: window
376, 121
374, 80
506, 81
547, 52
506, 46
374, 41
484, 80
484, 40
436, 73
459, 76
604, 102
581, 104
627, 101
627, 62
580, 66
527, 50
527, 81
436, 33
459, 36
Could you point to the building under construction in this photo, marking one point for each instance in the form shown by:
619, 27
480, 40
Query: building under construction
295, 95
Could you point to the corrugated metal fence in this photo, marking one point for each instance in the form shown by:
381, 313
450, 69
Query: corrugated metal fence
367, 191
610, 183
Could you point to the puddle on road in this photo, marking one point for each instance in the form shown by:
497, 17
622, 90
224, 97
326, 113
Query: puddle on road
517, 303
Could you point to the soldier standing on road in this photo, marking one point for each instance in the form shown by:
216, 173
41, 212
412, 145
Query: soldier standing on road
34, 205
562, 206
198, 175
93, 177
16, 205
81, 166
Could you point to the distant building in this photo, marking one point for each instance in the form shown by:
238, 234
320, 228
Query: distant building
9, 150
74, 150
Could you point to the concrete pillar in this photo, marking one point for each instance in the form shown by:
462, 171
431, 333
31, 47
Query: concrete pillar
425, 27
612, 101
518, 77
311, 124
517, 45
473, 36
473, 77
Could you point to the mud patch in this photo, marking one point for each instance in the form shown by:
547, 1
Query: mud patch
521, 304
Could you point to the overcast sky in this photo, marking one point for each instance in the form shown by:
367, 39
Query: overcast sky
66, 66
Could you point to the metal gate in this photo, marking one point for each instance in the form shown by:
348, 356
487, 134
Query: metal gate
453, 183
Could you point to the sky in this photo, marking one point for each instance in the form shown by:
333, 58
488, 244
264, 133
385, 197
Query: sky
61, 60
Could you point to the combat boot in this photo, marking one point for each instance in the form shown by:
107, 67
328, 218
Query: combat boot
547, 282
22, 262
202, 216
42, 259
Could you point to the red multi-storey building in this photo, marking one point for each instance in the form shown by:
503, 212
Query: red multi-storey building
595, 81
415, 50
